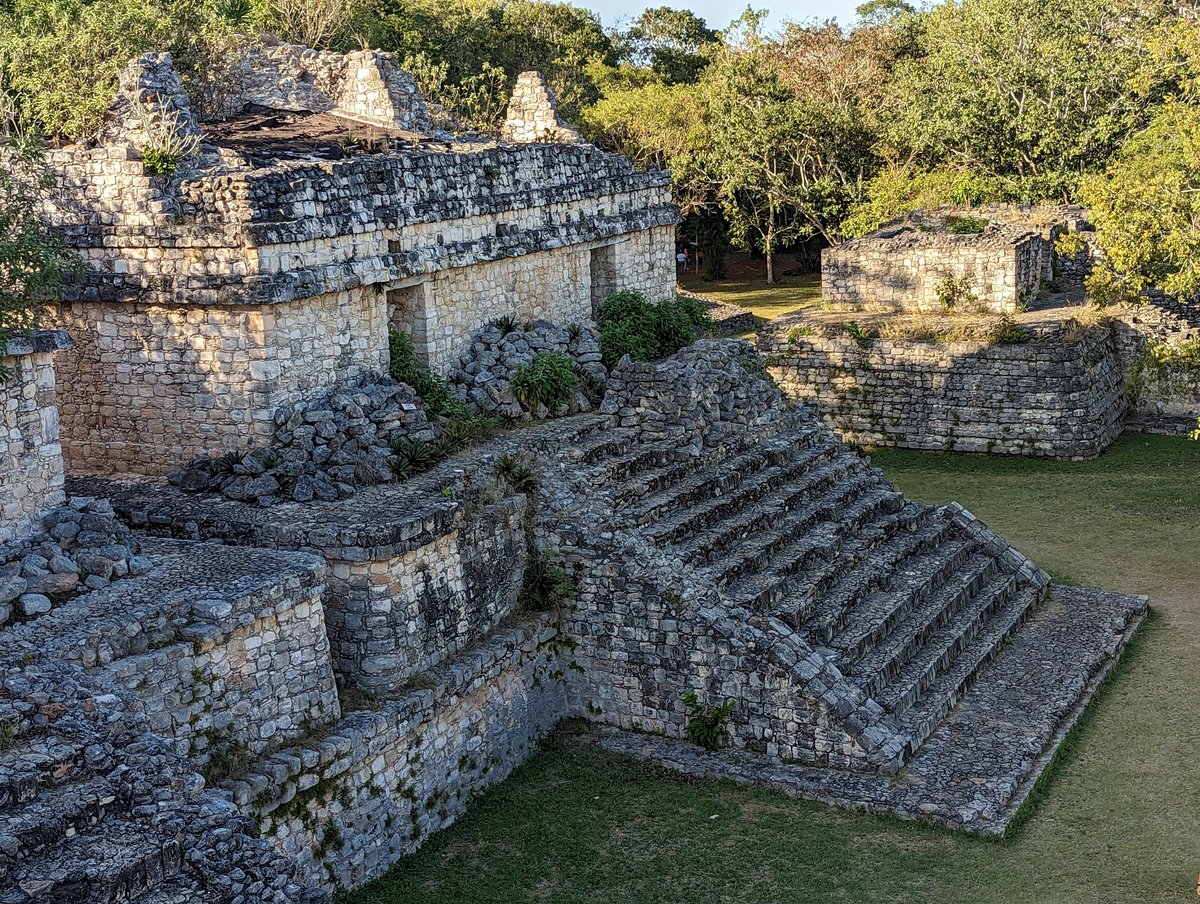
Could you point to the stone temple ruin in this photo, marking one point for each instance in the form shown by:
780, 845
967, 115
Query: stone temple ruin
266, 699
1058, 388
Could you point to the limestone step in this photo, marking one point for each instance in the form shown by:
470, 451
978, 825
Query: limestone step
116, 861
34, 764
914, 587
180, 890
601, 444
921, 716
819, 604
695, 486
653, 468
774, 564
781, 552
902, 638
737, 520
56, 814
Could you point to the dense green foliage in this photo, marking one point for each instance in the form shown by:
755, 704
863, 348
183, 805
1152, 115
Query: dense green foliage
812, 134
547, 380
631, 325
436, 394
707, 724
31, 259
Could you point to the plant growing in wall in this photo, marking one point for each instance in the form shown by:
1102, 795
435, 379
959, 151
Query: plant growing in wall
707, 725
965, 225
436, 395
32, 258
168, 144
547, 380
955, 293
546, 584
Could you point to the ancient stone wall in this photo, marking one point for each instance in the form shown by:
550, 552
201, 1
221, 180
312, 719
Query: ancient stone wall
31, 462
223, 646
906, 269
396, 611
154, 385
1055, 397
379, 782
1164, 393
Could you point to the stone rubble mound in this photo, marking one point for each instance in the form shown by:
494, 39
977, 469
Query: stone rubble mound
323, 449
81, 546
486, 368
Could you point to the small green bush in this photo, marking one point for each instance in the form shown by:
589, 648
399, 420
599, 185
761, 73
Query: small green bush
1006, 331
965, 225
517, 474
412, 457
856, 332
547, 380
546, 584
707, 725
436, 394
631, 325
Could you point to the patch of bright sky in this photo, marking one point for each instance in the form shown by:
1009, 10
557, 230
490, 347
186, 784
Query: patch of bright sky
719, 13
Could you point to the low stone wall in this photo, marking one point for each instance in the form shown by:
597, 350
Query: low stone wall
1164, 396
224, 646
31, 463
148, 387
1055, 397
347, 806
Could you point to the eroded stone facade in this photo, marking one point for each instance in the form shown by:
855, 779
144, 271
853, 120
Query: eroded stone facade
257, 273
1052, 395
918, 264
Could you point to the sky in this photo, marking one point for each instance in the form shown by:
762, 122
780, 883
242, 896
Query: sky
719, 13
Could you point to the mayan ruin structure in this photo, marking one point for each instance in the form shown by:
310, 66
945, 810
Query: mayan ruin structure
256, 648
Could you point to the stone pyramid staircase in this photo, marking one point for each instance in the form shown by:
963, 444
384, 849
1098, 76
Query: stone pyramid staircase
909, 602
74, 826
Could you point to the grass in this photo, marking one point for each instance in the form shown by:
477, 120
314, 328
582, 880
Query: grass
1117, 822
766, 302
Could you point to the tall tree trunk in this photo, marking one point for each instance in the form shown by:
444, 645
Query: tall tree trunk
769, 247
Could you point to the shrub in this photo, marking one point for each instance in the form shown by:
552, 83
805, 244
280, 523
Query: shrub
547, 380
436, 394
412, 457
707, 725
965, 225
517, 474
631, 325
955, 293
1006, 331
855, 331
546, 585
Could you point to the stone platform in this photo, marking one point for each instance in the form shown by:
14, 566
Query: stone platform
876, 652
977, 770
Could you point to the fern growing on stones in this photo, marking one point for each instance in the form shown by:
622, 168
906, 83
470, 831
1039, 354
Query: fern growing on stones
707, 726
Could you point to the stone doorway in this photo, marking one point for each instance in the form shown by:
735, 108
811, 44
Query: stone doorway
603, 268
408, 313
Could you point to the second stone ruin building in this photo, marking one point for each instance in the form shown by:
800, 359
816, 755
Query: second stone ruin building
324, 210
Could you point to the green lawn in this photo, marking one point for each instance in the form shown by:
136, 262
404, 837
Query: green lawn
752, 292
1120, 823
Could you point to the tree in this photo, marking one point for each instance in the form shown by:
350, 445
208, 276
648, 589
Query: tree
59, 58
757, 152
1034, 92
673, 43
1146, 206
32, 260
